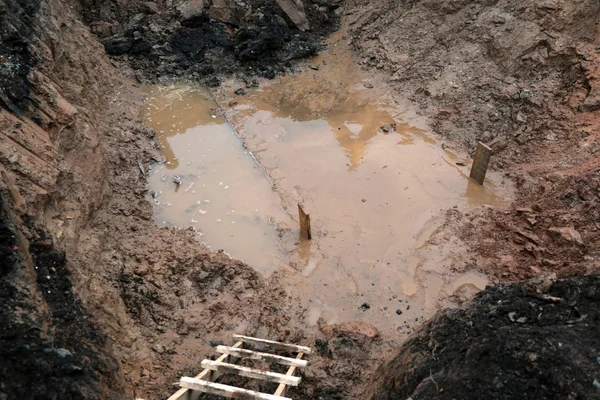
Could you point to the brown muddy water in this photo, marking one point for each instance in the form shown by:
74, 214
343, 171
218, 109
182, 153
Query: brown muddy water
375, 182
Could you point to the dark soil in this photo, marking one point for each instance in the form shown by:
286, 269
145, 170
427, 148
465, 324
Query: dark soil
16, 26
50, 348
531, 340
257, 42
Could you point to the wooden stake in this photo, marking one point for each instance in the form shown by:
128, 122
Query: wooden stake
304, 224
480, 163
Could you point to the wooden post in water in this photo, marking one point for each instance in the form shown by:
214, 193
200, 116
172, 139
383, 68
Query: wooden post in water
304, 224
480, 163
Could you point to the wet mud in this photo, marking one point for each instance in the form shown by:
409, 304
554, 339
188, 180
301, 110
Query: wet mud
376, 186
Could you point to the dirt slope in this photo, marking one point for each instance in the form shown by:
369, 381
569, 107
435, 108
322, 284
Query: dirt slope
534, 340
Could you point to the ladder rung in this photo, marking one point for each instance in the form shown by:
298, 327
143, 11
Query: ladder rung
274, 344
226, 390
255, 355
250, 372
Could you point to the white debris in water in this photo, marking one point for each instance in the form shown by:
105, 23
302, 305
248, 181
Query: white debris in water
207, 201
218, 220
220, 183
189, 187
232, 210
193, 221
226, 187
202, 212
233, 222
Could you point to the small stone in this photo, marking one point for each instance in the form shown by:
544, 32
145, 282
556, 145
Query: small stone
287, 332
240, 92
460, 164
568, 234
158, 348
365, 306
215, 343
150, 7
314, 67
385, 128
408, 307
137, 35
522, 320
399, 312
176, 180
511, 316
364, 200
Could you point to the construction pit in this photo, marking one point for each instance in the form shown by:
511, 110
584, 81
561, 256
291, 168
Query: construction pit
154, 155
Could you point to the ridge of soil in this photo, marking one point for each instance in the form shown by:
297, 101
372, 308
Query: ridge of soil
536, 339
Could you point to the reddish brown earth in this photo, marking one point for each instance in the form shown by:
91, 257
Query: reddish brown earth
104, 304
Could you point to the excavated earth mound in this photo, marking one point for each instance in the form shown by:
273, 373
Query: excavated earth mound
531, 340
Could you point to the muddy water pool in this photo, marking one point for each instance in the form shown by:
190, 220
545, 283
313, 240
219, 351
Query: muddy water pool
375, 182
209, 181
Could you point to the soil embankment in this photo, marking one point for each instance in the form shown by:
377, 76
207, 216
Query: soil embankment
537, 340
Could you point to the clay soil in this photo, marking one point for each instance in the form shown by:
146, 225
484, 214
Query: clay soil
98, 302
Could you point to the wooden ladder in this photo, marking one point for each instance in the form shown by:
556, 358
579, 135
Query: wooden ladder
225, 364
